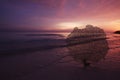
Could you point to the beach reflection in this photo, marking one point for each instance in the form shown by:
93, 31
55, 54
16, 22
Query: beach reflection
88, 45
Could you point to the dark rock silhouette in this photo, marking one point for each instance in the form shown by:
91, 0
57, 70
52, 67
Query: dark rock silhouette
87, 45
117, 32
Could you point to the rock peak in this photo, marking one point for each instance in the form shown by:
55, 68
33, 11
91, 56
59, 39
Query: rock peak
76, 28
89, 26
89, 30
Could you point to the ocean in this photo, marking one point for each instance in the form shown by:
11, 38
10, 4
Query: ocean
44, 56
18, 41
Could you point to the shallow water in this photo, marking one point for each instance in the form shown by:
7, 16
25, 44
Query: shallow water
29, 63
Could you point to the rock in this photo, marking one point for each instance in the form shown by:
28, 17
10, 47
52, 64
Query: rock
88, 33
117, 32
87, 45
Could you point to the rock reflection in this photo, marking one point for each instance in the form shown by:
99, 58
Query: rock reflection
87, 45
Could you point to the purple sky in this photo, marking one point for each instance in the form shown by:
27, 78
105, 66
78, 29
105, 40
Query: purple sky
25, 15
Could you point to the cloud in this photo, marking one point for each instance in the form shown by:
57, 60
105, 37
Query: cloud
42, 12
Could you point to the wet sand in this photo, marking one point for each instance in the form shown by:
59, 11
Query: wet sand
55, 65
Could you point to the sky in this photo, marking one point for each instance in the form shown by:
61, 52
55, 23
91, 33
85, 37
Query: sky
58, 15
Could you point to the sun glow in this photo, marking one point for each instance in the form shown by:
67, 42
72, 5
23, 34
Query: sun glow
69, 25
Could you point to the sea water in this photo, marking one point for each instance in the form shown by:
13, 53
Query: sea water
21, 40
26, 42
32, 54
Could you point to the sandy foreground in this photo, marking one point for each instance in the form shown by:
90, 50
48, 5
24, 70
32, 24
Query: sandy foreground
54, 64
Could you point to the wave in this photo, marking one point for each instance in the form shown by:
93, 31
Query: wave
44, 35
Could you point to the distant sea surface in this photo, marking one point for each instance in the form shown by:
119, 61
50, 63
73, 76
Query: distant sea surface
11, 41
21, 40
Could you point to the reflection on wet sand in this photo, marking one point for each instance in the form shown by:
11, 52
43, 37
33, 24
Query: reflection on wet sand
87, 45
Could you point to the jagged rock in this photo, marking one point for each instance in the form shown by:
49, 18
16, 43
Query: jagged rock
87, 34
87, 45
